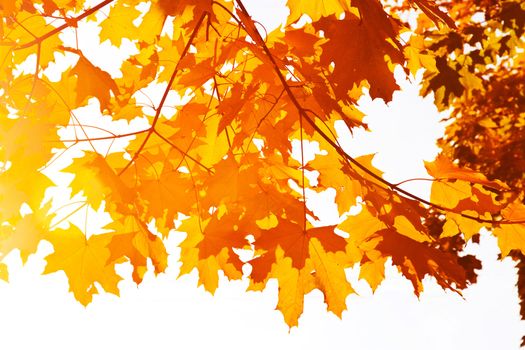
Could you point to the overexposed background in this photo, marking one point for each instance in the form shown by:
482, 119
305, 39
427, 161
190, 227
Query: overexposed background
37, 312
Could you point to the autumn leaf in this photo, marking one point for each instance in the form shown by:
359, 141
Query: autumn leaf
135, 242
97, 181
27, 233
293, 285
84, 261
294, 240
121, 24
443, 168
92, 81
415, 260
373, 271
330, 277
366, 57
511, 236
456, 224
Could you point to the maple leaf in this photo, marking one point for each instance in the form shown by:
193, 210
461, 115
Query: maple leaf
134, 241
347, 188
511, 236
373, 271
201, 251
121, 24
93, 81
456, 223
416, 260
293, 285
294, 240
97, 180
362, 58
27, 233
84, 261
167, 195
443, 168
330, 277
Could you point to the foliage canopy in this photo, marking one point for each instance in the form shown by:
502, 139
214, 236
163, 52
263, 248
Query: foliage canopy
216, 149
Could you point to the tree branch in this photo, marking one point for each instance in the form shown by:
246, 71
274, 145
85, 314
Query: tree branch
69, 22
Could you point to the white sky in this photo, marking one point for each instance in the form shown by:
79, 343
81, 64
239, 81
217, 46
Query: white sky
37, 312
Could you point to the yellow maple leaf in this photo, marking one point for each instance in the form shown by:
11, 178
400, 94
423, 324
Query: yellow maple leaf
97, 180
119, 23
293, 285
512, 236
27, 233
84, 261
330, 278
134, 240
373, 272
449, 194
456, 223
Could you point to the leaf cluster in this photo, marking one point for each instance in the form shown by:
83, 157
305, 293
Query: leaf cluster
211, 154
